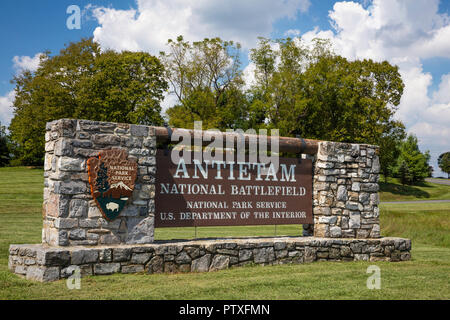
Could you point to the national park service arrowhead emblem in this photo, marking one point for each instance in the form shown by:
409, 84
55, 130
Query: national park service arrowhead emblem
111, 177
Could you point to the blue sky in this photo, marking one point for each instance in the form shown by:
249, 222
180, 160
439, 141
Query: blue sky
412, 34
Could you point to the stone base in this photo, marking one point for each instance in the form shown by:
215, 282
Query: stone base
43, 263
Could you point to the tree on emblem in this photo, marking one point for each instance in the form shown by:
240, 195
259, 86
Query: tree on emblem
102, 179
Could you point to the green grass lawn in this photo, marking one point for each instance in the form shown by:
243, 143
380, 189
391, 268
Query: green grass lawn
393, 190
426, 276
424, 223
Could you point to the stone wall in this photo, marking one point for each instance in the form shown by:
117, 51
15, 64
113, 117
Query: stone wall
345, 186
345, 191
75, 234
70, 214
43, 263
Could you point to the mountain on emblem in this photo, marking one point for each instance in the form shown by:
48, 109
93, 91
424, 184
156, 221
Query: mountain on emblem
111, 177
120, 185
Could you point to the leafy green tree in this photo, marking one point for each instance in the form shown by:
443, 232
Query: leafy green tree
314, 93
206, 78
416, 161
404, 174
4, 147
87, 83
317, 94
444, 163
277, 99
430, 171
389, 144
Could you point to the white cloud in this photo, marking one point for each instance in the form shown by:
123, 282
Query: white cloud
292, 33
415, 98
308, 37
153, 22
433, 122
27, 63
170, 99
20, 63
391, 28
434, 136
248, 75
6, 110
404, 33
443, 94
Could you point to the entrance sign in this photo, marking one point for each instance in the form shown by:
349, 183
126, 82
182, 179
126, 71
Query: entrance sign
127, 171
220, 193
111, 178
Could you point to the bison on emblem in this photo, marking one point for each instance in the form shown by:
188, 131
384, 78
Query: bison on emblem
112, 206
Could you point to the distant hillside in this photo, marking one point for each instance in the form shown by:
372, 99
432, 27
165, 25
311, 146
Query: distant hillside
393, 190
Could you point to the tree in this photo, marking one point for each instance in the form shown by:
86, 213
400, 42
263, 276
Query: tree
444, 163
206, 78
404, 174
102, 179
4, 147
87, 83
415, 161
389, 144
430, 171
277, 99
314, 93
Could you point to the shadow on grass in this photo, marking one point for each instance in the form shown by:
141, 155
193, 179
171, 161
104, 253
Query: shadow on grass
405, 190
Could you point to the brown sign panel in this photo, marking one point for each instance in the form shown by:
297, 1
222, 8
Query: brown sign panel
224, 194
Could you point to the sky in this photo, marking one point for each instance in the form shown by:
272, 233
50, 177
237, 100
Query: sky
414, 35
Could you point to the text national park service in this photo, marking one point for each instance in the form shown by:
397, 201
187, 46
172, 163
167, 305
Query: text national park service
208, 193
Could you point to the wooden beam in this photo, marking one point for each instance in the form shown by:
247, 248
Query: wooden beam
286, 144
